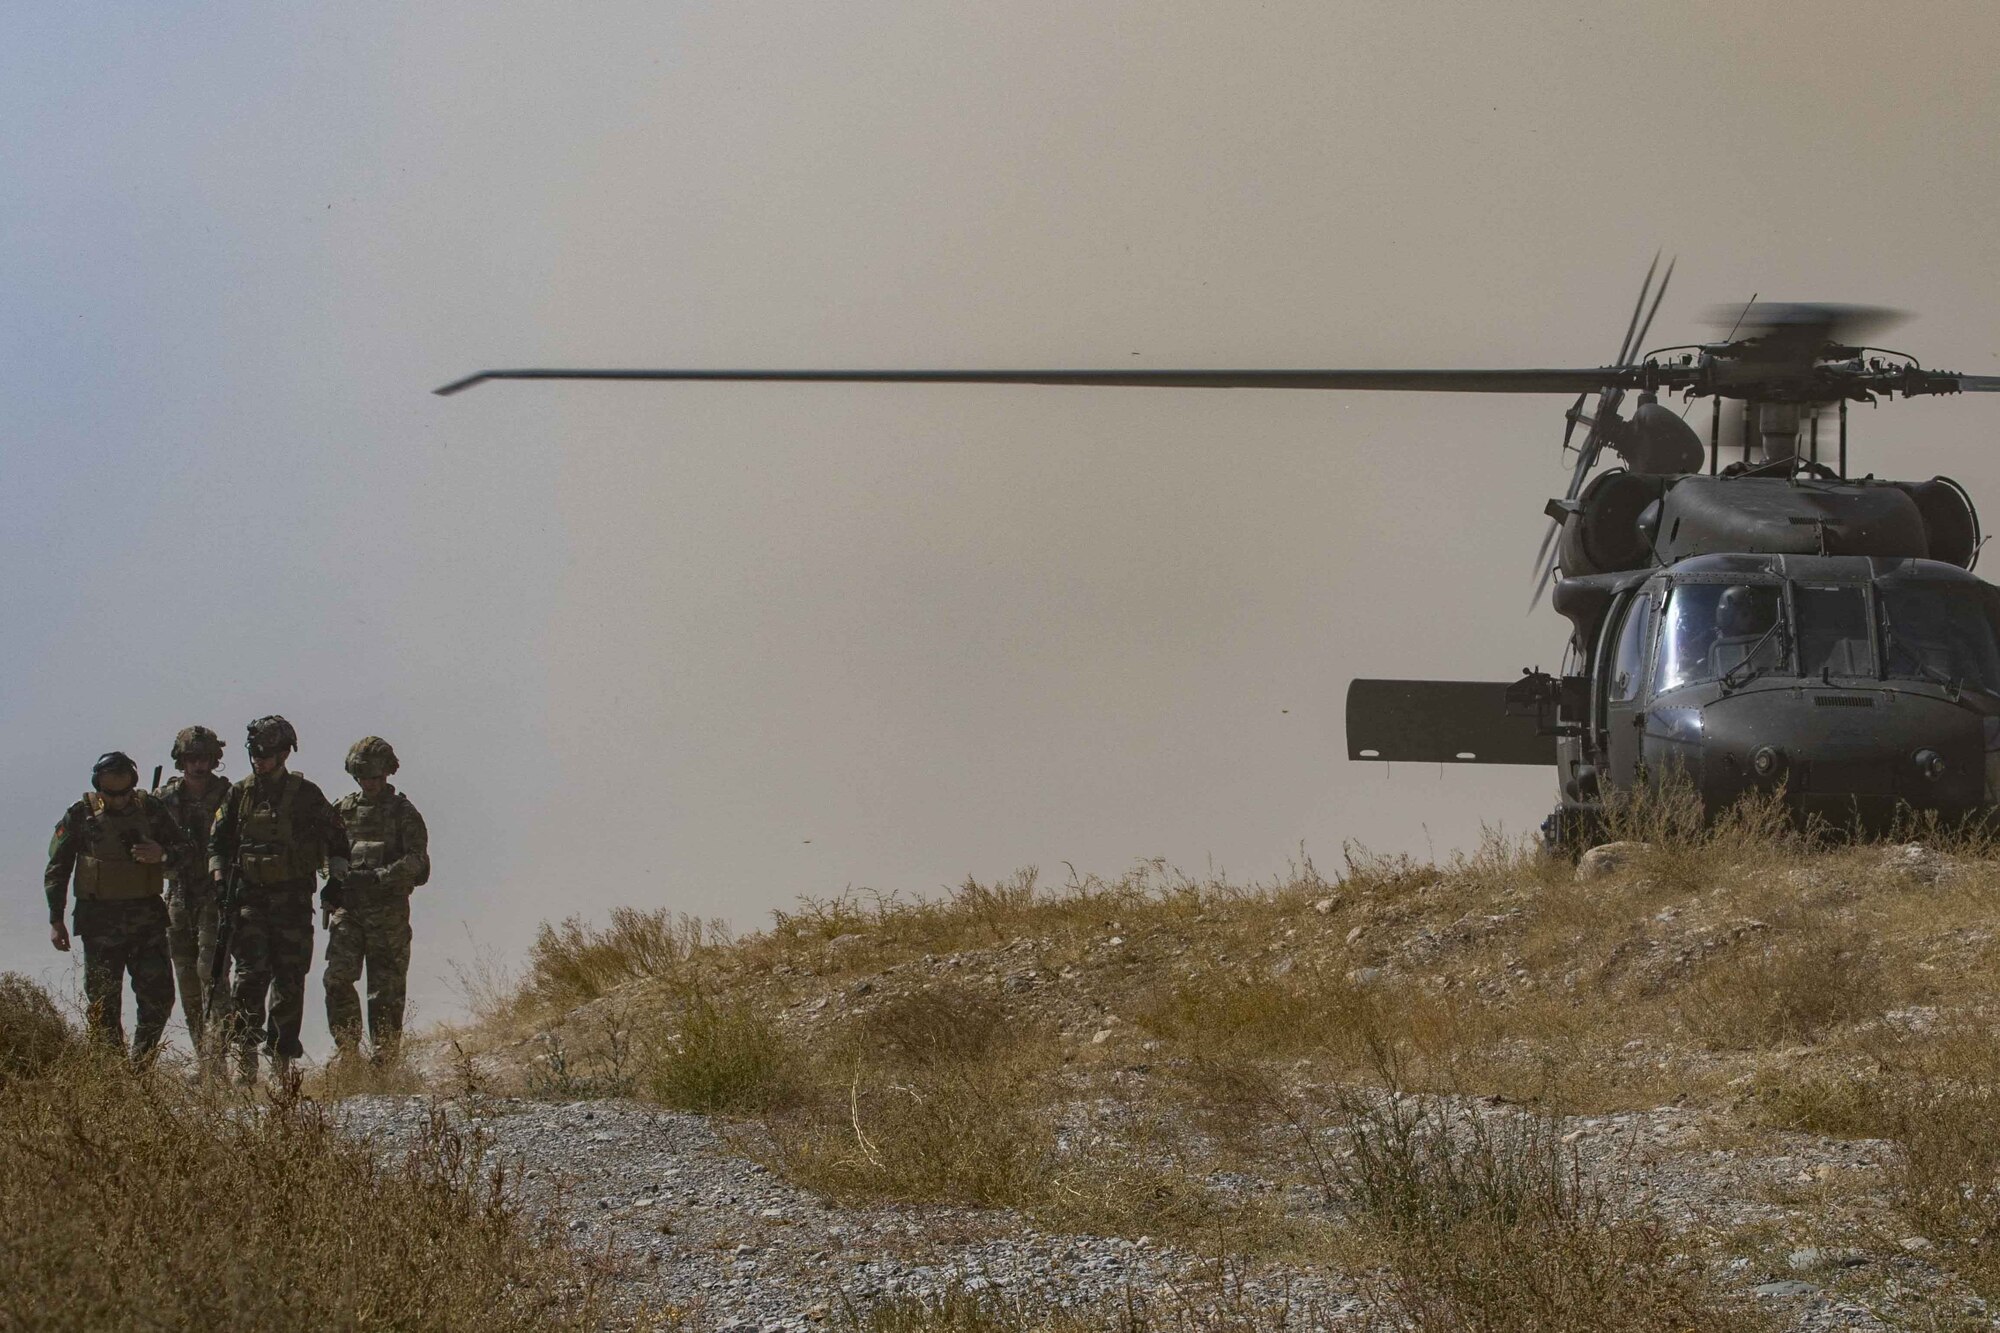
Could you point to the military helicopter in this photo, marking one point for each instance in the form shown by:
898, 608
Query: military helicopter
1743, 612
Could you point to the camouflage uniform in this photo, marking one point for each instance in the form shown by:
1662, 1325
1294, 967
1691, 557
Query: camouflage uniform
191, 902
275, 833
372, 923
120, 916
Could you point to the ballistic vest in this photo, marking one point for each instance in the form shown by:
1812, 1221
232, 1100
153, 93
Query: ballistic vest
105, 868
375, 832
267, 846
196, 816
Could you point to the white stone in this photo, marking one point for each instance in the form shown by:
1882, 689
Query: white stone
1609, 859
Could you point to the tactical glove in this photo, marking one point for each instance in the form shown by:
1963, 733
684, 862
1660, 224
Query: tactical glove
333, 897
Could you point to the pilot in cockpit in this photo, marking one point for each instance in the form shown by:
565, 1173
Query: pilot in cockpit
1744, 615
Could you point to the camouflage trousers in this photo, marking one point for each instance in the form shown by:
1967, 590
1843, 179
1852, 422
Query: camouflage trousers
272, 949
375, 930
191, 922
126, 938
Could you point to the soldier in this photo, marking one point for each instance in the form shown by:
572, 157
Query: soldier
275, 830
369, 911
117, 840
192, 799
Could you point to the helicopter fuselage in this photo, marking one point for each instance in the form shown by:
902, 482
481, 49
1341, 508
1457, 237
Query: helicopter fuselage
1808, 636
1860, 687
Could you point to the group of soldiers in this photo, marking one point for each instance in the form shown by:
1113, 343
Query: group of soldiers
155, 873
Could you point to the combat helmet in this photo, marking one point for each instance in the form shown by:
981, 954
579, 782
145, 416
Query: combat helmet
115, 761
371, 757
196, 743
270, 735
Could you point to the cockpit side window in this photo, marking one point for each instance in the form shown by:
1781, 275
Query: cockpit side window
1943, 632
1628, 660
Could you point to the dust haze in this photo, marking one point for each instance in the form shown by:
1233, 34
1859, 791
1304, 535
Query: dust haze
716, 646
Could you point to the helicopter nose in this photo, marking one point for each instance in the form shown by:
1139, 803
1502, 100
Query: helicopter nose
1833, 753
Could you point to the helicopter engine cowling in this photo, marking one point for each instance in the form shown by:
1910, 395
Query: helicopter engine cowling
1604, 532
1703, 515
1951, 525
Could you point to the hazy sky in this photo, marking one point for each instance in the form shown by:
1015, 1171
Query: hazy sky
713, 647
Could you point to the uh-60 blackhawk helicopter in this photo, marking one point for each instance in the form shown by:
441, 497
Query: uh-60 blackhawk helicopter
1743, 612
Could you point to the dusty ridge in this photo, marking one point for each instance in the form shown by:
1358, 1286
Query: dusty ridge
1727, 1035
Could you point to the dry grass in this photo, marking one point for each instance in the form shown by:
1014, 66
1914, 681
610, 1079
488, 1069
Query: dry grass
573, 963
1094, 1052
33, 1035
1944, 1114
1492, 1223
933, 1098
1789, 991
723, 1055
131, 1201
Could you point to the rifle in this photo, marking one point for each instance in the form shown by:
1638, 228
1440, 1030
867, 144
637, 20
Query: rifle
225, 929
156, 775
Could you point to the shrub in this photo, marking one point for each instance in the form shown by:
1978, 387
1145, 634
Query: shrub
1790, 991
574, 962
1494, 1224
724, 1056
133, 1201
33, 1034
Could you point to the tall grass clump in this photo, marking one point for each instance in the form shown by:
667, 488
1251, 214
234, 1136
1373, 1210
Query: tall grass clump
575, 962
1686, 848
33, 1033
722, 1056
1947, 1124
1790, 991
1243, 1010
936, 1097
1492, 1224
132, 1201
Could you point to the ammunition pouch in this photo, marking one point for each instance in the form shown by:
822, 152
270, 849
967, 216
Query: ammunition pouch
268, 852
264, 866
103, 879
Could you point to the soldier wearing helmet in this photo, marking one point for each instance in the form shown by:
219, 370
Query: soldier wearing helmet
115, 844
192, 798
369, 912
276, 831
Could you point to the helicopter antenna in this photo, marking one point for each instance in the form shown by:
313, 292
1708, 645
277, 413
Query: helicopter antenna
1741, 315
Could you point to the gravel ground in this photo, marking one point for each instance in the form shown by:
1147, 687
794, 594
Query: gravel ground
689, 1225
685, 1226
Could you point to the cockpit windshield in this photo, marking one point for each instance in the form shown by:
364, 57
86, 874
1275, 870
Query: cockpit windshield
1942, 632
1720, 631
1833, 630
1946, 633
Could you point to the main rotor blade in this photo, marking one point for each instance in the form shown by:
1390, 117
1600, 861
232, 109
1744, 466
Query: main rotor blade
1411, 381
1978, 383
1548, 536
1542, 580
1658, 296
1625, 347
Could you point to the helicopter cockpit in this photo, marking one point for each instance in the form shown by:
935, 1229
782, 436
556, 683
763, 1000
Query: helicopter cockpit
1858, 684
1907, 625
